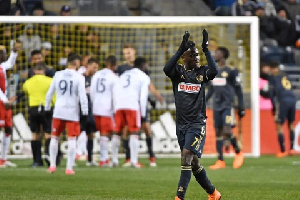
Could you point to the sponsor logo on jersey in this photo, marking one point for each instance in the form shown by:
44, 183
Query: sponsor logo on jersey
189, 87
219, 81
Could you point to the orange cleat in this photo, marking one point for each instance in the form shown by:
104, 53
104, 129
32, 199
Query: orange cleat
214, 196
238, 160
51, 169
105, 163
177, 198
152, 162
77, 157
281, 154
127, 163
2, 164
293, 152
220, 164
69, 172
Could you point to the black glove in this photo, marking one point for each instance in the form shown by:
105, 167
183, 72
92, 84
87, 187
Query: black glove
204, 41
48, 114
241, 112
183, 46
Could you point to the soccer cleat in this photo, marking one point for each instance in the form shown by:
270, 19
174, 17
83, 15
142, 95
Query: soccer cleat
214, 196
51, 169
127, 163
220, 164
9, 164
2, 165
105, 163
35, 165
281, 154
152, 162
69, 172
238, 160
293, 152
92, 163
77, 157
177, 198
137, 165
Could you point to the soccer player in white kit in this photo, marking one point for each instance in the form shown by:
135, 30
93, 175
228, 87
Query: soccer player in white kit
70, 90
102, 86
131, 96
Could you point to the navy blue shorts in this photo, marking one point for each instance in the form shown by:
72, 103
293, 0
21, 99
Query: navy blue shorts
90, 126
192, 138
285, 110
223, 117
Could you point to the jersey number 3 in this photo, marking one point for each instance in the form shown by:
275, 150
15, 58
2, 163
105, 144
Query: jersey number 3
64, 86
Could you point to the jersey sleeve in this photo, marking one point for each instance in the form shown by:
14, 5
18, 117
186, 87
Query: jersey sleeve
10, 61
170, 67
50, 94
236, 79
82, 96
211, 70
144, 96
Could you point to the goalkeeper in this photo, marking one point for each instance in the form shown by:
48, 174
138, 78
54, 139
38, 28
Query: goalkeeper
189, 82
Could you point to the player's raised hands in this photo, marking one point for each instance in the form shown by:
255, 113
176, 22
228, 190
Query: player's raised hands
205, 41
17, 46
183, 46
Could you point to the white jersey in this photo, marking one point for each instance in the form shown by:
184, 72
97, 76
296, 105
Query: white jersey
9, 64
70, 90
131, 91
102, 86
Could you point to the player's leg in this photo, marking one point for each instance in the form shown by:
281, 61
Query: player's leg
116, 137
81, 147
280, 117
126, 149
291, 126
105, 126
147, 129
90, 129
133, 119
57, 127
73, 128
201, 177
47, 119
218, 123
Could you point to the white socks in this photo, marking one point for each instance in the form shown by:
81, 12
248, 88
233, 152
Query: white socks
134, 148
115, 145
103, 148
71, 152
5, 146
81, 144
53, 149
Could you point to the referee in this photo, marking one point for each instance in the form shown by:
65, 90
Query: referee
36, 88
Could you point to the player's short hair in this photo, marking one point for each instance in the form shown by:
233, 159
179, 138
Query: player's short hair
274, 64
72, 57
93, 60
112, 60
35, 52
40, 66
128, 45
224, 51
139, 62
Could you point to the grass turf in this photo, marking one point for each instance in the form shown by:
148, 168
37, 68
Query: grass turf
263, 178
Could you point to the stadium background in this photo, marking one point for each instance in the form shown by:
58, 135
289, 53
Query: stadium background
157, 44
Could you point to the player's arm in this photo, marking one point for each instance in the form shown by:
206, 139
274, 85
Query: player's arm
12, 57
144, 97
83, 97
154, 91
50, 94
169, 68
93, 88
212, 68
239, 93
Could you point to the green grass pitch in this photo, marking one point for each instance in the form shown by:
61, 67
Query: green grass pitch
265, 178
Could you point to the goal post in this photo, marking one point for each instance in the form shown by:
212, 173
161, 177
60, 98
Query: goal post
156, 38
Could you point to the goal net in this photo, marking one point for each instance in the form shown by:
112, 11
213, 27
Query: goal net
155, 38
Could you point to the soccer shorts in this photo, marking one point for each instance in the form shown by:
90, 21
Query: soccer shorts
222, 118
131, 118
192, 137
89, 127
38, 119
59, 125
285, 110
104, 124
5, 116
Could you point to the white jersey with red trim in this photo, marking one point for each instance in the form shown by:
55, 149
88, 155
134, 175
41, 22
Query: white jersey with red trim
70, 90
131, 92
8, 65
101, 91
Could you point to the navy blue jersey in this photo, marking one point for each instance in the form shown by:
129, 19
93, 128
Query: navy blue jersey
281, 88
189, 89
87, 80
122, 68
224, 87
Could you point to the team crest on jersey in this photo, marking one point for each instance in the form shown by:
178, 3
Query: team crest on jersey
189, 87
224, 74
199, 78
